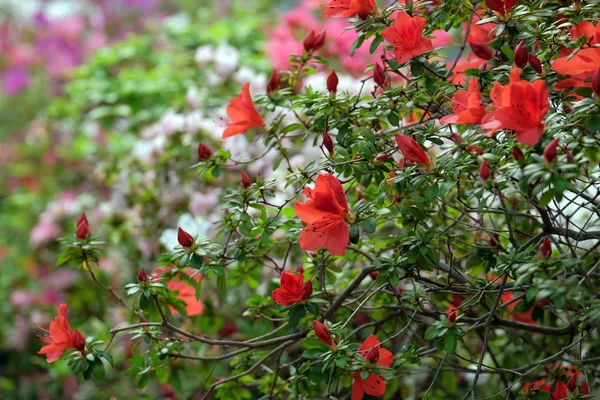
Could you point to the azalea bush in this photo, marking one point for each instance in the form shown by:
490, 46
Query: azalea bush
427, 227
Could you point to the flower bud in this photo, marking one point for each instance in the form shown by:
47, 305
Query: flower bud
142, 276
204, 152
475, 149
373, 355
484, 171
550, 151
494, 240
381, 157
83, 230
300, 269
374, 275
323, 333
596, 83
535, 63
184, 238
328, 143
78, 340
273, 82
332, 82
545, 250
379, 76
452, 317
314, 41
521, 55
518, 155
456, 138
246, 181
482, 51
309, 41
307, 290
569, 155
572, 383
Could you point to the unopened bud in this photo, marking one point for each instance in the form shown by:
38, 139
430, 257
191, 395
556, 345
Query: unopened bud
204, 152
273, 82
373, 355
323, 333
78, 340
328, 143
545, 249
518, 155
535, 63
452, 317
246, 181
596, 83
521, 55
379, 76
484, 171
332, 81
550, 150
307, 290
184, 238
142, 276
482, 51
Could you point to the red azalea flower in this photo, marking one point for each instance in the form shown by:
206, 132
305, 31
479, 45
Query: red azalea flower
501, 6
325, 213
374, 385
349, 8
185, 291
292, 289
467, 106
60, 337
524, 316
521, 107
242, 113
582, 66
411, 149
405, 36
556, 386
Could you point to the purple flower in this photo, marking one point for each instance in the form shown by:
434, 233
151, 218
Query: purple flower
15, 80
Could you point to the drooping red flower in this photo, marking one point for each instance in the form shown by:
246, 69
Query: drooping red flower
60, 337
520, 106
349, 8
411, 149
242, 113
501, 6
292, 289
466, 105
325, 213
582, 66
323, 333
374, 385
525, 316
185, 291
405, 36
482, 51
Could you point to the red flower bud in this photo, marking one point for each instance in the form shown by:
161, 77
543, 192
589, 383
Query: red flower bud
482, 51
83, 230
142, 319
518, 155
300, 269
475, 149
535, 63
373, 355
550, 150
521, 55
332, 81
456, 138
545, 250
452, 317
323, 333
81, 219
78, 340
184, 238
204, 152
381, 157
314, 41
569, 155
494, 240
572, 383
273, 82
374, 275
379, 76
246, 181
484, 171
328, 143
596, 82
142, 276
307, 290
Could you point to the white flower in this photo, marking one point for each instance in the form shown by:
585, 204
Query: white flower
193, 97
226, 59
258, 82
204, 55
194, 226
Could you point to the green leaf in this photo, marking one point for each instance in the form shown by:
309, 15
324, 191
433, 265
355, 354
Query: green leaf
369, 225
296, 313
145, 302
98, 369
431, 332
431, 192
446, 186
546, 198
364, 374
450, 343
375, 43
354, 234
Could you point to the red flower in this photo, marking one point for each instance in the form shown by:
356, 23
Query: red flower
184, 238
524, 316
557, 386
325, 213
501, 6
545, 250
185, 291
379, 76
583, 65
349, 8
521, 107
411, 149
292, 289
60, 337
535, 63
484, 171
374, 385
596, 82
405, 36
242, 113
457, 301
323, 334
467, 106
